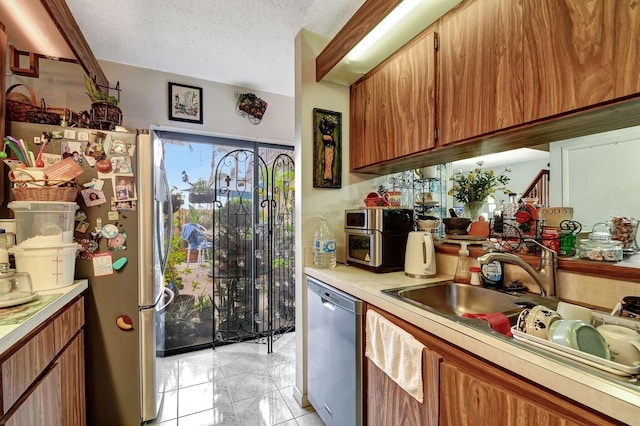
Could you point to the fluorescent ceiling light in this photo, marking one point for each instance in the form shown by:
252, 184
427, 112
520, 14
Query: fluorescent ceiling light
505, 158
382, 28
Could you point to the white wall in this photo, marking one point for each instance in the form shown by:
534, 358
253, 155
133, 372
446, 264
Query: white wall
312, 202
144, 101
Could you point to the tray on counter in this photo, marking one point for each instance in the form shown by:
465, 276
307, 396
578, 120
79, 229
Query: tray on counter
576, 355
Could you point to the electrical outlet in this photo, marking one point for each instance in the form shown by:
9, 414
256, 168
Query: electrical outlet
36, 140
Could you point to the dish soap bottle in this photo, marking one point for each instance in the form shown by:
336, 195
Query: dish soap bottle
324, 246
492, 274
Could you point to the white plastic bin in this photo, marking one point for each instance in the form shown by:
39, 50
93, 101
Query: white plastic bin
44, 218
50, 267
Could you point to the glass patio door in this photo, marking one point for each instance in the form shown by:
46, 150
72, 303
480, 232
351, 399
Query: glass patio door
232, 257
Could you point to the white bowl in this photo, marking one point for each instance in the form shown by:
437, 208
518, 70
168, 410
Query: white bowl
577, 334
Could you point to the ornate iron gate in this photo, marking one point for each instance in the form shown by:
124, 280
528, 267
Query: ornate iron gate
253, 247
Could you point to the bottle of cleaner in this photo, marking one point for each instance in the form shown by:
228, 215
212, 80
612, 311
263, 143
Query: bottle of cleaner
324, 246
492, 274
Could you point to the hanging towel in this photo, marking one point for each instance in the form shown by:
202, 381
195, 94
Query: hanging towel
498, 321
397, 353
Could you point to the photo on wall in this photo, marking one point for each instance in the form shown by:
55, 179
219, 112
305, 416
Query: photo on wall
327, 149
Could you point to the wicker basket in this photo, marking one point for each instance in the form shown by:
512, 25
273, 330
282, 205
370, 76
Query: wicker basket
19, 110
71, 117
49, 190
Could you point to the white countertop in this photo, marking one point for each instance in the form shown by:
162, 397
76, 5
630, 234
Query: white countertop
11, 334
601, 391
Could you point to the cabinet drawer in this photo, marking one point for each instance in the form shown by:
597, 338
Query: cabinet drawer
68, 323
22, 368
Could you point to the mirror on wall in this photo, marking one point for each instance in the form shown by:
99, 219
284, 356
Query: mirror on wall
594, 174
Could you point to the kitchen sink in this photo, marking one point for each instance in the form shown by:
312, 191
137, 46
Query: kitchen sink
454, 299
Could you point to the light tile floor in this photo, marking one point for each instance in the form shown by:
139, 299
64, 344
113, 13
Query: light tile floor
236, 384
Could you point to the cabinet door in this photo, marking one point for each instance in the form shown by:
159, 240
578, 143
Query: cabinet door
361, 149
393, 109
389, 404
42, 406
408, 102
480, 69
71, 361
578, 54
468, 396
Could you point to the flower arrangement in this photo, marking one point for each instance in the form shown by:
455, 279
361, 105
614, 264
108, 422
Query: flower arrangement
478, 184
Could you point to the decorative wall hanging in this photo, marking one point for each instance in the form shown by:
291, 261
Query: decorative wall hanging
327, 149
251, 106
185, 103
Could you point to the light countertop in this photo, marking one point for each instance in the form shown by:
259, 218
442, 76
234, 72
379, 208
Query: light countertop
615, 396
11, 334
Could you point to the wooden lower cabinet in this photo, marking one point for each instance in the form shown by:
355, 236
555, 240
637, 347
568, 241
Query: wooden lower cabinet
462, 389
43, 375
42, 406
389, 404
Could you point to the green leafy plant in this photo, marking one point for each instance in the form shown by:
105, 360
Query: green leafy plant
478, 184
176, 256
201, 186
203, 301
96, 95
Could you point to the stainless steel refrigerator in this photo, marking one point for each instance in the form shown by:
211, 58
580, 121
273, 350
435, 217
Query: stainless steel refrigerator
124, 385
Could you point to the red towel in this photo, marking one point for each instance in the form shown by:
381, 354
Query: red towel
498, 321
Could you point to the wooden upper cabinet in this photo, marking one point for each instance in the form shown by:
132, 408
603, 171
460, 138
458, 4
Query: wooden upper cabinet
579, 54
367, 144
481, 83
410, 102
393, 108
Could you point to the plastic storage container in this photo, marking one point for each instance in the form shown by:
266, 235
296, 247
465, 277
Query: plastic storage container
324, 246
50, 267
44, 218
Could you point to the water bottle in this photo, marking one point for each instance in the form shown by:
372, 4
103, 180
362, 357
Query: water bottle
324, 246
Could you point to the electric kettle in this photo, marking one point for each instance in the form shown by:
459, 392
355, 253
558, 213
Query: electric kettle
420, 259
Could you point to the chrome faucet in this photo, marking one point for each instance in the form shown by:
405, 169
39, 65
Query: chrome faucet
545, 276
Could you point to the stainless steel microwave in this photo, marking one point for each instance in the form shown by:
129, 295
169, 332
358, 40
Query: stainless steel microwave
376, 238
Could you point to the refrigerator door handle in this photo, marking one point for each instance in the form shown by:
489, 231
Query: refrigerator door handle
171, 295
167, 242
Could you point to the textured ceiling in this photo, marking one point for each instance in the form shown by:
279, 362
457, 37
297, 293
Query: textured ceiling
248, 43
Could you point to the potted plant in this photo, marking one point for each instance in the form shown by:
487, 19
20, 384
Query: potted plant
105, 111
176, 199
203, 311
201, 190
180, 329
473, 189
176, 256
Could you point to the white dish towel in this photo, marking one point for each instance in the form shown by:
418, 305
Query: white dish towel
395, 352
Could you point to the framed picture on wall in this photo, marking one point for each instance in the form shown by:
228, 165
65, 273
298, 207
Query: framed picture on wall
327, 149
185, 103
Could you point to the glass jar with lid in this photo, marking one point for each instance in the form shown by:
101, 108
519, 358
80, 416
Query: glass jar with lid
624, 229
600, 246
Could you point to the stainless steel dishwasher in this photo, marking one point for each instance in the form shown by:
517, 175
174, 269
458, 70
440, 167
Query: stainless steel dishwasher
334, 342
